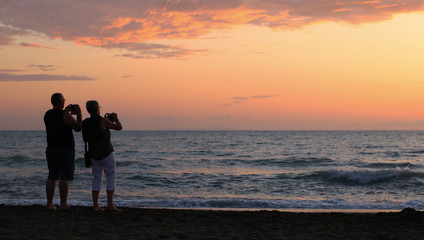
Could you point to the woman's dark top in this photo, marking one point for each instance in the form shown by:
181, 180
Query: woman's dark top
98, 139
59, 134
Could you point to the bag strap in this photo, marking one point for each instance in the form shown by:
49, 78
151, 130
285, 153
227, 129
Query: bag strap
86, 147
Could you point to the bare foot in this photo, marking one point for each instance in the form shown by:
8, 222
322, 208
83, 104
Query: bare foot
51, 207
98, 209
66, 207
113, 208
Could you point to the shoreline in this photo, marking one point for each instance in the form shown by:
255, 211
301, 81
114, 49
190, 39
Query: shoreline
87, 203
36, 222
287, 210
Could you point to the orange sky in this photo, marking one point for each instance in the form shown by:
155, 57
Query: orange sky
261, 65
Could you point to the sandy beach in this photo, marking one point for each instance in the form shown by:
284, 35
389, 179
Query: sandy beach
35, 222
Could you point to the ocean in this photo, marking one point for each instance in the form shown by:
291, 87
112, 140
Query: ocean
346, 170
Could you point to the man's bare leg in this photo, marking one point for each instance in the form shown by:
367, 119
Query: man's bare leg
50, 188
63, 188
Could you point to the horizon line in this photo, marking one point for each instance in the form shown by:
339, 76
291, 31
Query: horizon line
235, 130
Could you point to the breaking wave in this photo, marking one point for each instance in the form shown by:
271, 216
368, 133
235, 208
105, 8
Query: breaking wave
369, 176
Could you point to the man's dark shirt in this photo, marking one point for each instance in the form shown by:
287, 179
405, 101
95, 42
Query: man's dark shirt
59, 134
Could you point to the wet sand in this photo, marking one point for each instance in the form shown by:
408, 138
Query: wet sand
36, 222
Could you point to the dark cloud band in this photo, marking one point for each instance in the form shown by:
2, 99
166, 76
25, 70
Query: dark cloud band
6, 77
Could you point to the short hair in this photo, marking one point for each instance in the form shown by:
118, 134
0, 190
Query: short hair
57, 99
92, 106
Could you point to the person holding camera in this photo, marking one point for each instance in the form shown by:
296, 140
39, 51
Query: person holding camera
60, 151
96, 131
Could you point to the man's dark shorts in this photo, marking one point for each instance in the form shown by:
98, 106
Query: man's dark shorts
61, 163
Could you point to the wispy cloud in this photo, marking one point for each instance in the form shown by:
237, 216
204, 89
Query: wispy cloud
44, 67
167, 53
151, 51
7, 77
127, 76
35, 45
8, 34
6, 70
263, 96
238, 100
225, 117
131, 25
5, 39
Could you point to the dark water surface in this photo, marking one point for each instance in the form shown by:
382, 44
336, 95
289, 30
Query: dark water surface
234, 169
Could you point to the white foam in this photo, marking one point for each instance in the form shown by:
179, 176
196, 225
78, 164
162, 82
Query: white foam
236, 203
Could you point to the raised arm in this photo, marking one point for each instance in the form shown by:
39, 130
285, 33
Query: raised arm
109, 124
75, 124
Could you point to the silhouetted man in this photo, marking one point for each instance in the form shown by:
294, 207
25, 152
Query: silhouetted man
60, 151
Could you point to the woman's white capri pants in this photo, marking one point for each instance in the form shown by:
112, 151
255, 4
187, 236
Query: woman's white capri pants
108, 165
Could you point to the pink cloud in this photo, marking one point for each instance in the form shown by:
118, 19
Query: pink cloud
371, 2
35, 45
387, 6
124, 24
340, 10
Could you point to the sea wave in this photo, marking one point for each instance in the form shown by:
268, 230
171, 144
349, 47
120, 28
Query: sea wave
295, 162
417, 152
166, 165
368, 176
396, 165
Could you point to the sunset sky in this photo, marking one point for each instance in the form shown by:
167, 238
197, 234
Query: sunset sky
216, 64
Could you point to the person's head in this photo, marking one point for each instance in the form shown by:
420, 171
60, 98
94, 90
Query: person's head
57, 100
93, 107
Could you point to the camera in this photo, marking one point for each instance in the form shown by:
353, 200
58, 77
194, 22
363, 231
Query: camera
111, 116
72, 108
